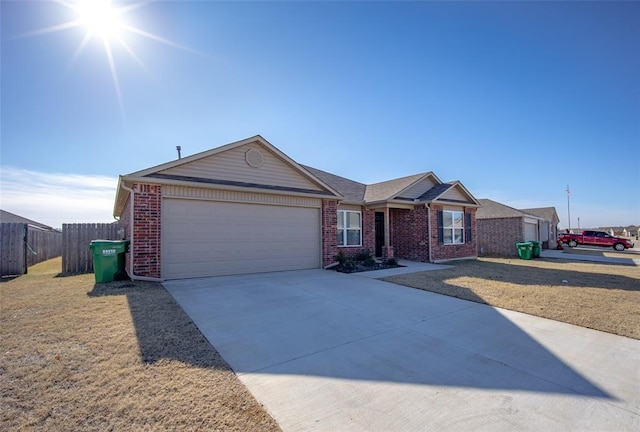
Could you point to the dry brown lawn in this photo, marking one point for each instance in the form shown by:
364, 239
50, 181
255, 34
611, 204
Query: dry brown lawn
120, 356
598, 296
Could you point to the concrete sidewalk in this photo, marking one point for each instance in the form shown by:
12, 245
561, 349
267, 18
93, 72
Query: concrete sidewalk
327, 351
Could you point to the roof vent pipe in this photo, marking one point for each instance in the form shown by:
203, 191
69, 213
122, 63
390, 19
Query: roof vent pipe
179, 148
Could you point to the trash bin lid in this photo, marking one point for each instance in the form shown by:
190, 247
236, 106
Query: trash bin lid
119, 246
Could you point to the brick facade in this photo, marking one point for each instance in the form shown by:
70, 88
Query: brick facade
413, 231
125, 221
147, 230
409, 233
369, 230
330, 246
329, 231
447, 252
410, 236
497, 237
368, 235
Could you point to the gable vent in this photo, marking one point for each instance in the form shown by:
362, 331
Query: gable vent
254, 158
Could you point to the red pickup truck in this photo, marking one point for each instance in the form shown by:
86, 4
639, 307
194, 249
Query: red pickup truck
596, 238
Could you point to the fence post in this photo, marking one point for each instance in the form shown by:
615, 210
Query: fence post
25, 232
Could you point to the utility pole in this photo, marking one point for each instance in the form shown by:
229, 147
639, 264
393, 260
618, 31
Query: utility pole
569, 208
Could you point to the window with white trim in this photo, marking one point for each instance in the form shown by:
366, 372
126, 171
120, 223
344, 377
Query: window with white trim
452, 227
349, 228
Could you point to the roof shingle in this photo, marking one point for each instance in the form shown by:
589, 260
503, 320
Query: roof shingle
546, 213
493, 210
389, 189
351, 190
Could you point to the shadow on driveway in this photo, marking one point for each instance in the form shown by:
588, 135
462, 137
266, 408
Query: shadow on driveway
322, 324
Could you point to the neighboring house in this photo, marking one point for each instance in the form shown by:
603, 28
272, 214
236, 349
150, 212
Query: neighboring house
500, 227
548, 227
246, 207
8, 217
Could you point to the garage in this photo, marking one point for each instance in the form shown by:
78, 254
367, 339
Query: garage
213, 238
530, 229
244, 207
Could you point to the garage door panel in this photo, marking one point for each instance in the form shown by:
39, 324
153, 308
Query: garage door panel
206, 238
530, 232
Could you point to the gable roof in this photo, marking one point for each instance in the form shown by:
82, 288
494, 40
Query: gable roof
391, 188
163, 169
435, 192
197, 168
452, 192
8, 217
201, 168
356, 192
546, 213
494, 210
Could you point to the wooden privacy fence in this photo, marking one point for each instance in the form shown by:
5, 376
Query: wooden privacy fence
13, 237
43, 245
23, 246
76, 256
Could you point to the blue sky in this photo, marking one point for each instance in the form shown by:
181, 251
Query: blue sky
515, 99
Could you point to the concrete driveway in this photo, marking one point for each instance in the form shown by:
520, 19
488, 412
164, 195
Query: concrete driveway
327, 351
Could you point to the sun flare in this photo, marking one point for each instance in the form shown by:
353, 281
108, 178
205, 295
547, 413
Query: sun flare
104, 21
100, 18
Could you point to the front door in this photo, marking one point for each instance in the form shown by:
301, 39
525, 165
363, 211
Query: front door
379, 233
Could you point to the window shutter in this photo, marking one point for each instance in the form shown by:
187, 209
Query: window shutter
440, 227
467, 228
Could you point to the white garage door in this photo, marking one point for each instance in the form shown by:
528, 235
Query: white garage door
530, 231
208, 238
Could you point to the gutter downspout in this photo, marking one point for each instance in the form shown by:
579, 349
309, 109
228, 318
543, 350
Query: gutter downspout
429, 229
131, 274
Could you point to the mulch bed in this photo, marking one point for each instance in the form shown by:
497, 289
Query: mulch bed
361, 267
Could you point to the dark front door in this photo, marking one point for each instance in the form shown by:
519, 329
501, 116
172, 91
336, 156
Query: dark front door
379, 233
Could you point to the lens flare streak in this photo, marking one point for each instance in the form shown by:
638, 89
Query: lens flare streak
104, 21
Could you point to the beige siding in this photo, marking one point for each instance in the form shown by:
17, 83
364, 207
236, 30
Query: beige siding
231, 165
172, 191
454, 194
208, 238
418, 189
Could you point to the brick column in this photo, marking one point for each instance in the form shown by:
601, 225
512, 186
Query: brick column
147, 209
329, 231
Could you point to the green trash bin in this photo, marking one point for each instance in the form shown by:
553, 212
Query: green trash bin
536, 246
108, 259
525, 250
